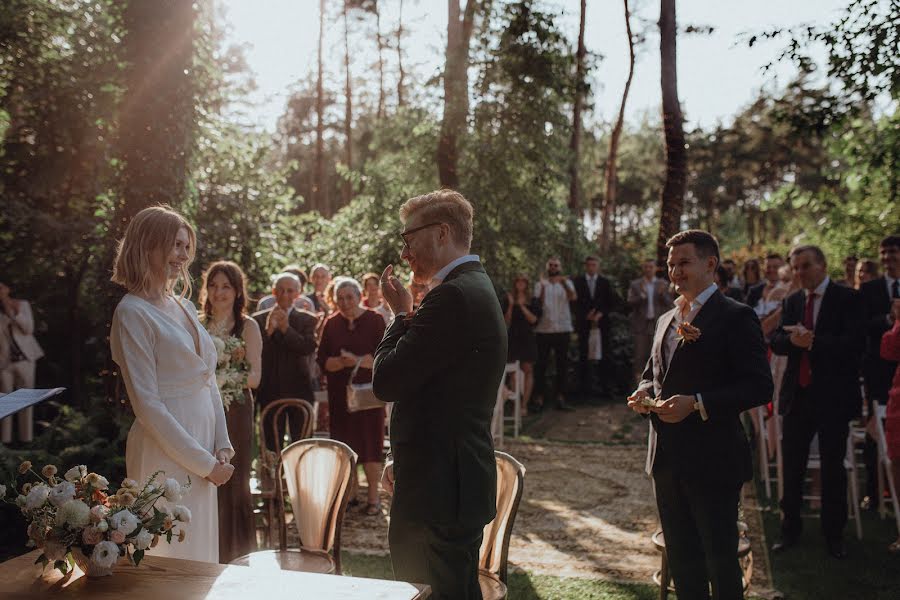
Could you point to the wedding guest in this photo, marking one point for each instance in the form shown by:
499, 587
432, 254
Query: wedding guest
302, 302
866, 270
788, 283
372, 297
722, 282
594, 302
890, 350
320, 275
756, 297
553, 332
22, 354
349, 339
521, 312
734, 279
849, 278
441, 367
648, 298
289, 338
751, 276
822, 333
168, 363
708, 366
223, 301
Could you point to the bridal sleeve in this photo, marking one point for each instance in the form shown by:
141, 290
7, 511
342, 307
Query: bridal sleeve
133, 341
253, 345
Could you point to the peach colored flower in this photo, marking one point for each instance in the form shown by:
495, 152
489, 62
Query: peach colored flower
687, 333
91, 536
25, 466
116, 536
48, 471
182, 535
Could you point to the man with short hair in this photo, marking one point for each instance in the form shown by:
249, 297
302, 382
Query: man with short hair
708, 365
758, 293
734, 279
553, 333
849, 278
320, 276
822, 333
302, 302
595, 300
289, 338
648, 298
441, 366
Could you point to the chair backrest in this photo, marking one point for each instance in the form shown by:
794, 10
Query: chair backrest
293, 409
318, 473
495, 544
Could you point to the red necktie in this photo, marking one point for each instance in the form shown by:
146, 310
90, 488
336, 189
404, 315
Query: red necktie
805, 368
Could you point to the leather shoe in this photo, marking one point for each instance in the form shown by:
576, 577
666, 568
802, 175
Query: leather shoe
837, 550
782, 546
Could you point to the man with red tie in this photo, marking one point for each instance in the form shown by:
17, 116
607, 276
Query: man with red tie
822, 332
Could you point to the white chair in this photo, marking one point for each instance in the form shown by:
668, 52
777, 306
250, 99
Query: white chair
514, 372
815, 463
497, 418
885, 461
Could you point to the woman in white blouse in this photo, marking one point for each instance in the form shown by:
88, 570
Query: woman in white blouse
167, 361
223, 302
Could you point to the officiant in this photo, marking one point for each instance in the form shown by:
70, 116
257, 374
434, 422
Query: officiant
707, 365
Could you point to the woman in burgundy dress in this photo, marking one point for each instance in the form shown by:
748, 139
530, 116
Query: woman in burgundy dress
352, 334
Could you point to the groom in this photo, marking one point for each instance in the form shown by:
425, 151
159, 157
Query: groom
708, 364
441, 367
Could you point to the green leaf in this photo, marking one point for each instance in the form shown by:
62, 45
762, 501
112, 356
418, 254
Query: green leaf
137, 557
42, 559
62, 566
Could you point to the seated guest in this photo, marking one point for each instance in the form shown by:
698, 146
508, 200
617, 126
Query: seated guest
301, 303
822, 334
756, 297
372, 297
349, 339
18, 370
320, 276
849, 278
866, 270
890, 351
722, 280
751, 277
289, 338
521, 312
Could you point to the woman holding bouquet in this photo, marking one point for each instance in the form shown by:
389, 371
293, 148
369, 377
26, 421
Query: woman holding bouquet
168, 363
223, 300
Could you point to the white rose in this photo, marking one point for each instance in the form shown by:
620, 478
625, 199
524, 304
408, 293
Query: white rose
37, 496
220, 349
74, 513
172, 490
76, 473
182, 513
105, 554
102, 526
221, 379
98, 513
142, 539
61, 493
124, 521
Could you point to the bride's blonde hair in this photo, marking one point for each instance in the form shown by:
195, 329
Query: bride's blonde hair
152, 230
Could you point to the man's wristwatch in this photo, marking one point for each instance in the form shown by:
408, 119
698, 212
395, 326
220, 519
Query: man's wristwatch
696, 403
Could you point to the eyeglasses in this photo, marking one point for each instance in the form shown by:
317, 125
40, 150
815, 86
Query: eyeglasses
403, 234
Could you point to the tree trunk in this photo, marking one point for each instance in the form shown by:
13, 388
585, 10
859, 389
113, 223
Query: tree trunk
607, 222
456, 91
400, 74
575, 143
348, 112
672, 204
379, 40
319, 193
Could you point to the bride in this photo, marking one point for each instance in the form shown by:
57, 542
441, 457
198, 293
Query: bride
167, 361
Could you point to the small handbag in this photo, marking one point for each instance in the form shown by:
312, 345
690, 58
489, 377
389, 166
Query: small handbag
360, 396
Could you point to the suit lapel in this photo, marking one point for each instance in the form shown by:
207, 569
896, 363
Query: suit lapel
703, 316
825, 307
662, 326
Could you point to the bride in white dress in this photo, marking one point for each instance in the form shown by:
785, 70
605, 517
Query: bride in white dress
167, 361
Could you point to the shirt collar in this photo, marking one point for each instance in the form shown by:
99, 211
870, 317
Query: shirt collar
820, 289
442, 274
699, 301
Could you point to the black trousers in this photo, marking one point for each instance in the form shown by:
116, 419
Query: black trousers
442, 556
558, 343
587, 368
804, 421
699, 522
294, 424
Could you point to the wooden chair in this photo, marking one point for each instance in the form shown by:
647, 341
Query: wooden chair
492, 571
318, 473
282, 411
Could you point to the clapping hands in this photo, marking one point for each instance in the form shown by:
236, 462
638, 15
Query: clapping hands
395, 293
800, 336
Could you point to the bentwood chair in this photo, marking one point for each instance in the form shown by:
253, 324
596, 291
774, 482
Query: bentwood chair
317, 473
493, 557
282, 412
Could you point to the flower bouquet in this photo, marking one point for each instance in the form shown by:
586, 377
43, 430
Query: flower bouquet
76, 519
232, 368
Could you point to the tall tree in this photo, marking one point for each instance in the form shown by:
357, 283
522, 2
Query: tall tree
607, 225
379, 40
456, 90
672, 204
575, 141
400, 74
348, 109
319, 193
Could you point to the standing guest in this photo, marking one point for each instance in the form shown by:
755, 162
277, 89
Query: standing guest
708, 365
553, 332
877, 296
733, 279
302, 302
756, 297
849, 279
727, 290
289, 338
349, 339
223, 300
168, 363
866, 270
521, 313
320, 275
751, 276
822, 333
18, 370
372, 297
441, 367
890, 350
594, 301
648, 298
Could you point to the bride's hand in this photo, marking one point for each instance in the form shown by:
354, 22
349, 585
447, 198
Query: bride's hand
223, 456
221, 473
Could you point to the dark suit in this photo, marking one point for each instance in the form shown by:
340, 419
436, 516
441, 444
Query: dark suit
700, 466
285, 364
603, 300
824, 407
754, 294
442, 368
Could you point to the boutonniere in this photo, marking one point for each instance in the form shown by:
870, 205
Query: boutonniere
687, 333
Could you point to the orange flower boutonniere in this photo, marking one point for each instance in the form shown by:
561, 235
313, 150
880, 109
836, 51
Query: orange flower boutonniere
687, 333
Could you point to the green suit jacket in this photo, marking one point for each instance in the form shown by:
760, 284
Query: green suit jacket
442, 368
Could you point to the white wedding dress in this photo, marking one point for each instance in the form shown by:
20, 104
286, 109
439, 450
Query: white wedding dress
179, 420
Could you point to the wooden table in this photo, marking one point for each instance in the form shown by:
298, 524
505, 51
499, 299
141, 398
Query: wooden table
160, 578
